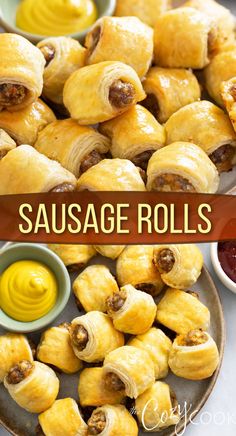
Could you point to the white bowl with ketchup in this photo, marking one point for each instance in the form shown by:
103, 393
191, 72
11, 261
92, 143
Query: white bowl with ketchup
223, 257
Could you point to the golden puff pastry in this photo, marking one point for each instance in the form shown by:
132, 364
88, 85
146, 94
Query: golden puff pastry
132, 311
112, 421
182, 167
100, 92
21, 72
77, 148
93, 286
180, 265
194, 356
169, 89
110, 251
13, 348
228, 93
135, 135
32, 385
112, 175
147, 11
182, 311
157, 408
6, 143
184, 38
63, 419
24, 125
158, 346
124, 39
129, 368
93, 390
73, 256
135, 267
55, 349
63, 56
93, 336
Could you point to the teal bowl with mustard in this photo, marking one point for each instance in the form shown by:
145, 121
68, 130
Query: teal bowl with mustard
34, 287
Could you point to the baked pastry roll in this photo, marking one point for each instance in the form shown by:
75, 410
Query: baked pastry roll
132, 311
180, 265
157, 408
21, 72
63, 56
55, 349
207, 126
24, 125
228, 93
111, 251
184, 38
129, 368
169, 89
194, 355
182, 167
112, 420
73, 256
112, 175
125, 39
32, 385
93, 390
6, 143
93, 336
147, 11
93, 286
100, 92
135, 135
77, 148
135, 267
13, 348
63, 419
182, 311
158, 346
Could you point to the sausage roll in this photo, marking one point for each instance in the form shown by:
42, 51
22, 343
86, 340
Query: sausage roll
24, 125
6, 143
228, 93
21, 72
125, 39
112, 420
13, 348
194, 355
93, 286
182, 167
129, 368
158, 346
63, 419
111, 251
147, 11
100, 92
135, 135
32, 385
63, 56
93, 390
157, 408
184, 38
73, 256
55, 349
182, 311
168, 90
93, 336
112, 175
135, 267
179, 265
77, 148
132, 311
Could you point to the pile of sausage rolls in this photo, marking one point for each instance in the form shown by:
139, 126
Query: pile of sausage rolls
133, 330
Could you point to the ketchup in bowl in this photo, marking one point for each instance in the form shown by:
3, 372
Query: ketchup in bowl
227, 258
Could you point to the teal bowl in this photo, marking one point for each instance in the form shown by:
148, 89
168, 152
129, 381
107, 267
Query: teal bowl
8, 19
15, 252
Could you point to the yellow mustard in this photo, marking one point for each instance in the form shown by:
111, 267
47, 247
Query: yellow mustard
55, 17
28, 290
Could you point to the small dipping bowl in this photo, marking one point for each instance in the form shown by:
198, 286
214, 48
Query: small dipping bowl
12, 253
224, 278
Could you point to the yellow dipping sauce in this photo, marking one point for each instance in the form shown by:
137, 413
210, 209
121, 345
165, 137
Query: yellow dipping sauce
28, 290
55, 17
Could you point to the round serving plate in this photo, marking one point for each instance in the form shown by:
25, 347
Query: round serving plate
191, 395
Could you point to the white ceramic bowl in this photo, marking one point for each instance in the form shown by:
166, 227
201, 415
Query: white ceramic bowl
227, 282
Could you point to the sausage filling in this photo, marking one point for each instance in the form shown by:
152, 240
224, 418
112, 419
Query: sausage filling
113, 382
64, 187
11, 94
141, 160
19, 372
164, 261
97, 423
233, 91
223, 157
194, 337
149, 288
152, 105
90, 160
95, 37
48, 52
172, 183
116, 302
121, 94
80, 337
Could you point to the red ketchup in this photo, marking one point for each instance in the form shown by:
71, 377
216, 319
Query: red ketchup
227, 258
